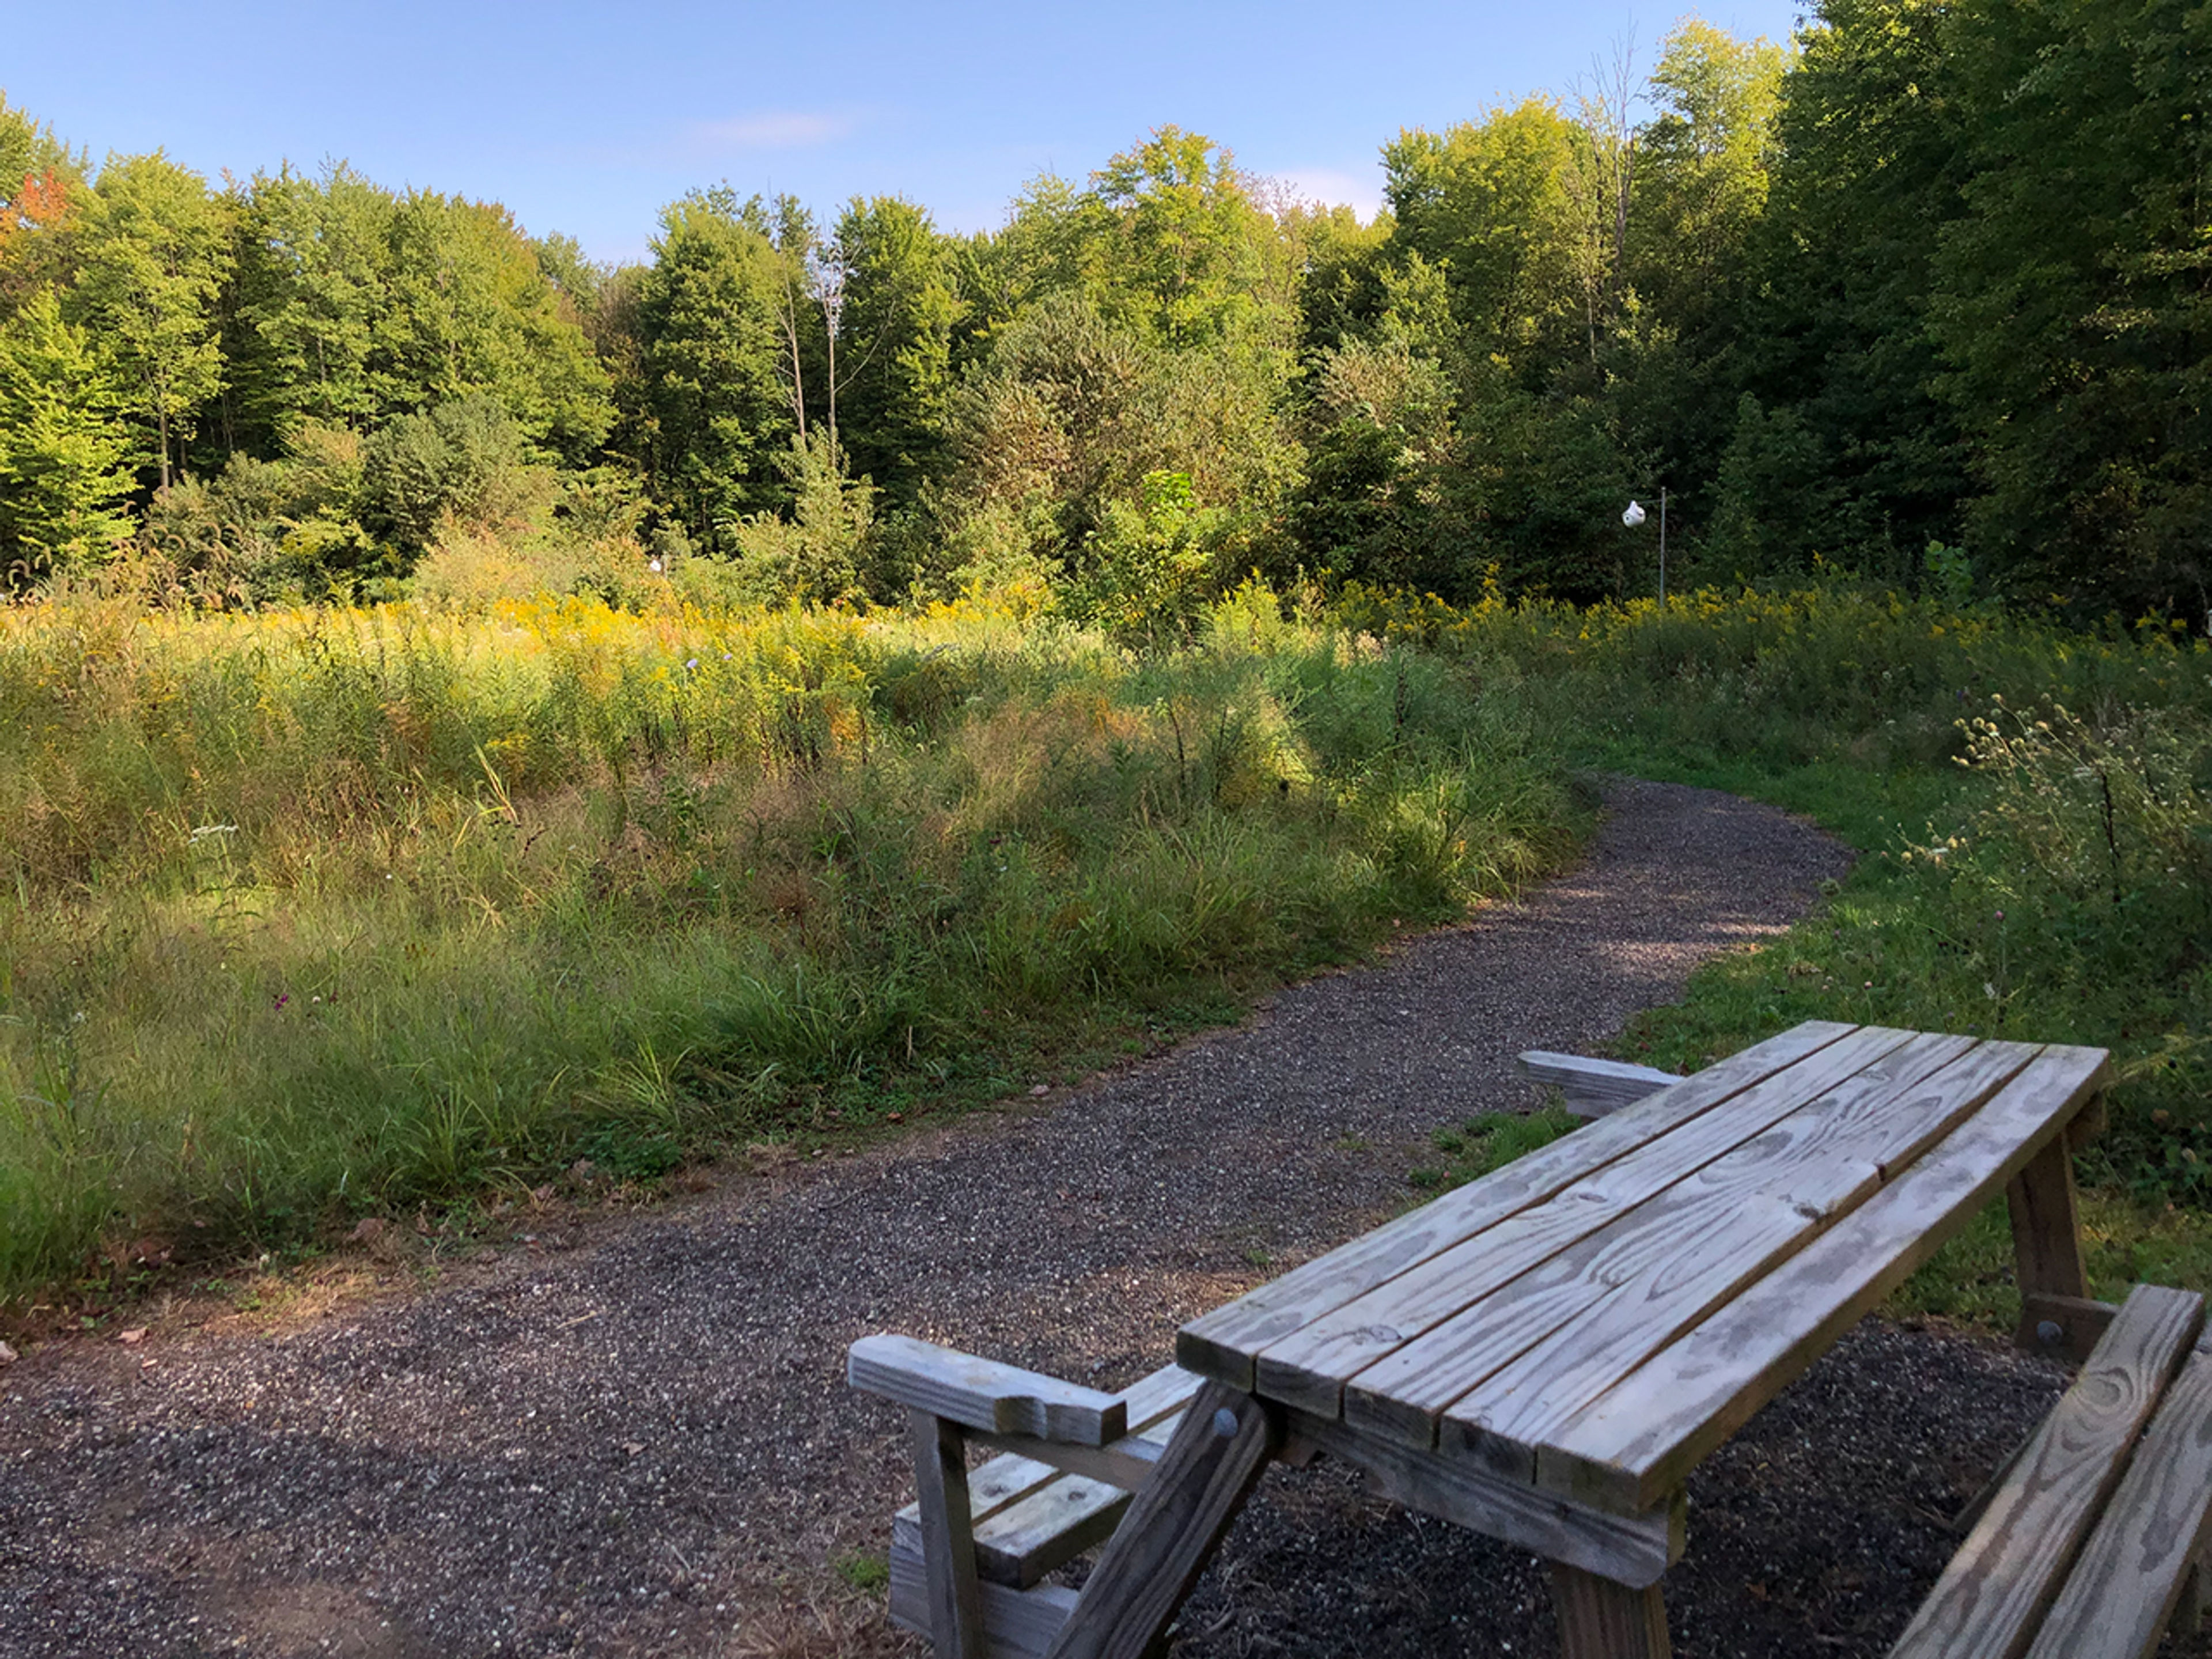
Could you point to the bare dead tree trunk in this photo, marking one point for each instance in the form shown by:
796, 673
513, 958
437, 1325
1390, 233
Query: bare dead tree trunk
829, 269
1605, 177
798, 366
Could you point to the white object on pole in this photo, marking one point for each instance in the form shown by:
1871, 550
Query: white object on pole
1634, 516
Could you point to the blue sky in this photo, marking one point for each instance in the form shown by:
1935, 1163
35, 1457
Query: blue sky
586, 118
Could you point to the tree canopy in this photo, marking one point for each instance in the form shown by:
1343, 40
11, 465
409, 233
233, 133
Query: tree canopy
1919, 290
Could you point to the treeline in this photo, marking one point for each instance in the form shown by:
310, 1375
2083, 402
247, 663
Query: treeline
1921, 296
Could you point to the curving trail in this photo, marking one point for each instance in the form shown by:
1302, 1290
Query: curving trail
638, 1441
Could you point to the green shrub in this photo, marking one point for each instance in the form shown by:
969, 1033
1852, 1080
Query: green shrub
459, 462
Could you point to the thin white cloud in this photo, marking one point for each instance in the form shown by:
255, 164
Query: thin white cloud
771, 130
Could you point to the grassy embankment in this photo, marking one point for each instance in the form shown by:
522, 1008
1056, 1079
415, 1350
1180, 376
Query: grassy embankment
2035, 812
313, 914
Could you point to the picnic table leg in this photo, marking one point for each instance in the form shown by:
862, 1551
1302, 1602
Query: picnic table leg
2046, 1241
1173, 1525
1601, 1620
948, 1537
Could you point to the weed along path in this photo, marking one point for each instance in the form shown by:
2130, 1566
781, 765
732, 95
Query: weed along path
639, 1441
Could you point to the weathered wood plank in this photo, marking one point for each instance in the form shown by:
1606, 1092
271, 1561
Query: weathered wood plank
1640, 1441
953, 1593
1601, 1620
1058, 1520
2063, 1327
1630, 1550
982, 1394
1171, 1530
2003, 1577
1736, 1213
1125, 1463
1054, 1521
1222, 1344
1052, 1525
1672, 1273
2047, 1234
1308, 1368
1591, 1087
1029, 1518
1017, 1624
2129, 1579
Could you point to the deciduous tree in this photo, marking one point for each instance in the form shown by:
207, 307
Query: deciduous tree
153, 252
718, 410
65, 454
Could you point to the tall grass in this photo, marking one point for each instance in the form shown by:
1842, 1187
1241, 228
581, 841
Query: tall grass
312, 913
1841, 675
308, 914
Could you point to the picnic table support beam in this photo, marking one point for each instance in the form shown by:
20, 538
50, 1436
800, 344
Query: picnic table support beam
1601, 1620
948, 1536
2046, 1241
2064, 1327
1223, 1444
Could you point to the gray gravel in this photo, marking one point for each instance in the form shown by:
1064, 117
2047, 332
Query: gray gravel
642, 1444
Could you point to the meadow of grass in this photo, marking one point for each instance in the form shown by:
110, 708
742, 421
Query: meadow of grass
306, 915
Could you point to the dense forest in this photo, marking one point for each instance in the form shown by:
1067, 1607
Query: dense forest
1921, 296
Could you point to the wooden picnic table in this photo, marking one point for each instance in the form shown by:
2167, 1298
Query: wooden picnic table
1544, 1355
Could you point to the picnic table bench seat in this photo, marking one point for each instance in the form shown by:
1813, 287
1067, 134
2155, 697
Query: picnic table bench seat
2092, 1539
1592, 1088
1028, 1511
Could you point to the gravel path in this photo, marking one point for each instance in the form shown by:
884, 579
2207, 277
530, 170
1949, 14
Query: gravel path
642, 1444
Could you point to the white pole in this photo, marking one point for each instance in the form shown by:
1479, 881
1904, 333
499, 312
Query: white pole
1662, 547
